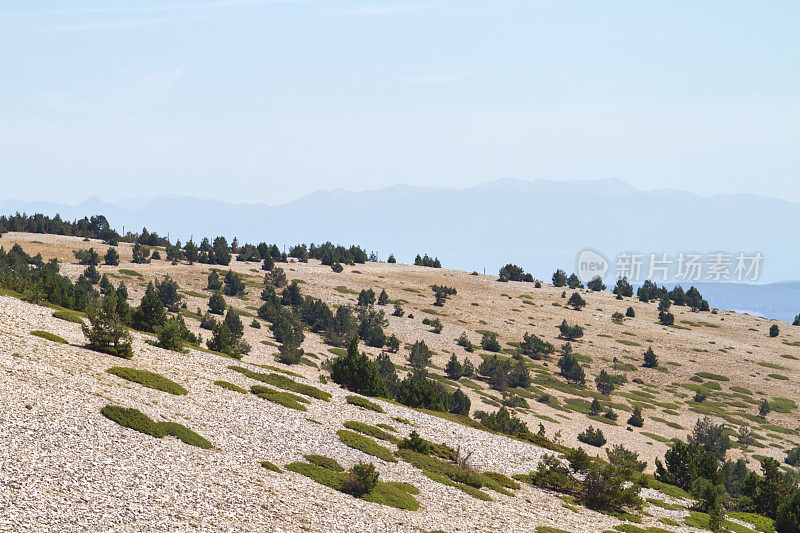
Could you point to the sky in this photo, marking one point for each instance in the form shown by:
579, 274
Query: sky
269, 100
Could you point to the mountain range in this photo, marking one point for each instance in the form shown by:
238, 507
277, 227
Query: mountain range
540, 225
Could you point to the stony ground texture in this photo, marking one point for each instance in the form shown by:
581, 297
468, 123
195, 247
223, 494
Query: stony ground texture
65, 467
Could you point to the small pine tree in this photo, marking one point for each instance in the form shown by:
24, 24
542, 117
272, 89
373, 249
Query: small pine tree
596, 284
459, 403
393, 343
383, 298
764, 408
773, 330
571, 369
106, 332
112, 257
216, 304
604, 383
559, 278
630, 313
595, 408
355, 372
650, 359
151, 314
214, 283
576, 302
453, 369
391, 259
468, 368
636, 419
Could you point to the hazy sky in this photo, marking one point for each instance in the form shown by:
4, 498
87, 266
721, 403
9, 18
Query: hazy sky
264, 101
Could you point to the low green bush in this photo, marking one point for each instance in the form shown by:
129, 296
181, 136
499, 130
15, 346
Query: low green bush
49, 336
148, 379
283, 382
271, 466
324, 462
399, 495
371, 431
366, 445
69, 316
360, 401
286, 399
138, 421
230, 386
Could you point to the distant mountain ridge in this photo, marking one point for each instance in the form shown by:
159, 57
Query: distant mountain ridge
540, 225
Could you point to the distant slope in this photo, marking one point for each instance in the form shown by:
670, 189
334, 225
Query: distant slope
540, 225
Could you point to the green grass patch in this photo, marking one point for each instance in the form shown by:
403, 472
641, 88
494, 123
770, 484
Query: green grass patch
782, 405
778, 376
284, 382
138, 421
230, 386
129, 272
148, 379
371, 431
69, 316
626, 342
286, 399
360, 401
761, 523
366, 445
344, 290
711, 375
659, 438
49, 336
774, 366
324, 462
271, 466
393, 494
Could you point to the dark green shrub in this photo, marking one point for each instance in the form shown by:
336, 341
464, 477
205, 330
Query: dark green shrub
459, 403
571, 369
592, 437
167, 292
596, 284
489, 342
630, 313
576, 302
216, 304
774, 330
214, 283
570, 333
356, 372
636, 419
514, 273
506, 422
650, 358
416, 443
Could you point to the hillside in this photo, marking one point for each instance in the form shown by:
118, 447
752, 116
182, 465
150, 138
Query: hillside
67, 467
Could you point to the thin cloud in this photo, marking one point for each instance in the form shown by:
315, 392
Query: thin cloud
108, 25
437, 78
219, 4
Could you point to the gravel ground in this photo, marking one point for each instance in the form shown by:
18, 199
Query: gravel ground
64, 467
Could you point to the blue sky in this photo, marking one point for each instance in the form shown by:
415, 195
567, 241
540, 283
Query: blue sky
264, 101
